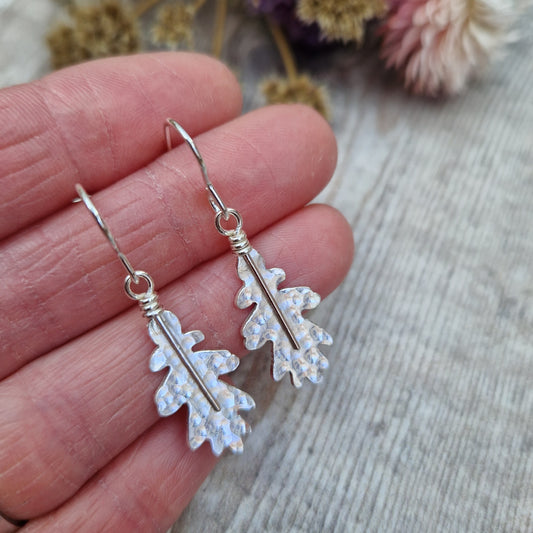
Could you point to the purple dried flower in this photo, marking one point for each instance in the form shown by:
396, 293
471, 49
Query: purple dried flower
284, 13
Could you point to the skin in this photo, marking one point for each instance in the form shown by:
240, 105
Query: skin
81, 445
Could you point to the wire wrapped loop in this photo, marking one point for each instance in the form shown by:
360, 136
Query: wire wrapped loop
239, 243
148, 299
237, 237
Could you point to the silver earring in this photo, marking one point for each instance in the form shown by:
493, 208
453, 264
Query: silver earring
193, 375
277, 316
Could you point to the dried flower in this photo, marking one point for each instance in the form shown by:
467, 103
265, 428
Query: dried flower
106, 28
342, 20
440, 44
296, 90
174, 24
63, 47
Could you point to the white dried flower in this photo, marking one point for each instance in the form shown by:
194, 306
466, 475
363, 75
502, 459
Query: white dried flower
440, 44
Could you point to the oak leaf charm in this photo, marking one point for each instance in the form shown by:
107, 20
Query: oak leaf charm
223, 428
263, 325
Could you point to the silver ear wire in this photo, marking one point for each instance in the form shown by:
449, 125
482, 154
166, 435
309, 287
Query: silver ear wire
214, 198
86, 199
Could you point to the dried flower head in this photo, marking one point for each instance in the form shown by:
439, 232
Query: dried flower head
63, 48
342, 20
298, 90
440, 44
174, 24
104, 29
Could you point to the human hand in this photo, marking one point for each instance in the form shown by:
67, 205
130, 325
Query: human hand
81, 445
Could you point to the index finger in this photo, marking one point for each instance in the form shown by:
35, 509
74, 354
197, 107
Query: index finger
98, 122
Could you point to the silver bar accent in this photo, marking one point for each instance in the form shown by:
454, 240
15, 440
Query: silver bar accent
273, 304
186, 363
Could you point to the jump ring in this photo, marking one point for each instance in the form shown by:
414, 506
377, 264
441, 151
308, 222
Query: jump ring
228, 232
139, 295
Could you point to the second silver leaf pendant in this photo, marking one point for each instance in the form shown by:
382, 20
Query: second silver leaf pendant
296, 347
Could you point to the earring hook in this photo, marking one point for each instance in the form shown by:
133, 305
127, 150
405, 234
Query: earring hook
214, 199
86, 199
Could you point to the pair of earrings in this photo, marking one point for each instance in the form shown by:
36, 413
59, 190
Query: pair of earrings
193, 376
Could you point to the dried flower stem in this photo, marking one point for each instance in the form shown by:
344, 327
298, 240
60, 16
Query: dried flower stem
220, 22
284, 50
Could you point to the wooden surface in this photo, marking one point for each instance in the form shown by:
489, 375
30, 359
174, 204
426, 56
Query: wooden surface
425, 420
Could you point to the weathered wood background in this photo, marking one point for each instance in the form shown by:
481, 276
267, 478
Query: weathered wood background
425, 420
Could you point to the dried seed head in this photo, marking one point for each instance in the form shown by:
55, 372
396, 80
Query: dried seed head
299, 90
104, 29
342, 20
174, 24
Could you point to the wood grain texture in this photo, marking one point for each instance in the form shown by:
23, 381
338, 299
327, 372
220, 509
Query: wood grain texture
425, 419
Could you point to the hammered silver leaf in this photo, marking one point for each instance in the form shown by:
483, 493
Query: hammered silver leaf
262, 325
224, 428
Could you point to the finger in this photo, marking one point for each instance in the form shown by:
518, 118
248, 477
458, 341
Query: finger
70, 412
144, 489
97, 122
66, 271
